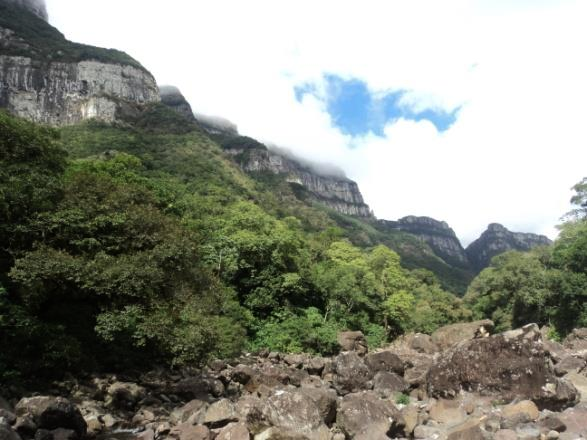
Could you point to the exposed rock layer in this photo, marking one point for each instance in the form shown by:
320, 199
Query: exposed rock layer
68, 93
337, 192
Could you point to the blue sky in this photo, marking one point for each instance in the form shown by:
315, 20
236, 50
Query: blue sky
356, 110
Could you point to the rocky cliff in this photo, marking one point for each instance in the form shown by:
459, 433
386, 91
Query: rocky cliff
497, 240
437, 234
335, 191
47, 79
173, 98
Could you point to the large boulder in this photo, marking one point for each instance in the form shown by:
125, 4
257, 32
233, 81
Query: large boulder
353, 341
51, 413
295, 412
384, 361
364, 415
577, 340
510, 365
387, 384
350, 373
449, 335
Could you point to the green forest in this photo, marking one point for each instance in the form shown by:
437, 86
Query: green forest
141, 243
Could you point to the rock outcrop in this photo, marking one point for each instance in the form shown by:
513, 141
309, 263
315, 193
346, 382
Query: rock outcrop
47, 79
437, 234
173, 98
335, 191
497, 240
68, 93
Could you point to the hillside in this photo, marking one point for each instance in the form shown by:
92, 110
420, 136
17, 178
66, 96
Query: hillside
136, 234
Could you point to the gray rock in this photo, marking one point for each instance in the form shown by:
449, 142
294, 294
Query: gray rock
388, 384
353, 341
510, 365
365, 414
351, 374
295, 412
52, 413
449, 335
384, 361
67, 93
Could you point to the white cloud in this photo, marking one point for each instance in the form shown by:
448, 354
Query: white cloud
516, 68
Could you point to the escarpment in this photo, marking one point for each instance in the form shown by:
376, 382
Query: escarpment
46, 78
333, 190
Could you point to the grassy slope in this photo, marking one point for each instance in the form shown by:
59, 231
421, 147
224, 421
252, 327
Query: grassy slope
46, 43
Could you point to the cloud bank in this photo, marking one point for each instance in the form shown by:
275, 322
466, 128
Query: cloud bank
514, 70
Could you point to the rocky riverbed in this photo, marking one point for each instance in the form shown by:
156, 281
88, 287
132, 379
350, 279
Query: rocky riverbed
461, 382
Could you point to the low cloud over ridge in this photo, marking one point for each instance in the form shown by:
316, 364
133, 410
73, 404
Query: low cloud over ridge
513, 68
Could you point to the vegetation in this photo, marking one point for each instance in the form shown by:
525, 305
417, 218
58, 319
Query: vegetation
46, 43
140, 243
547, 285
145, 240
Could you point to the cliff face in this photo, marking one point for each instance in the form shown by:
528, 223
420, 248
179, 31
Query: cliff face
67, 93
337, 192
497, 240
437, 234
47, 79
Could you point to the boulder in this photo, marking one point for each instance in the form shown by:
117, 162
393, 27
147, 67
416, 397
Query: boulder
198, 388
187, 431
325, 400
364, 414
509, 365
190, 410
234, 431
579, 381
219, 414
576, 340
350, 373
315, 365
569, 364
449, 335
295, 412
125, 395
353, 341
468, 430
384, 361
518, 413
387, 384
448, 412
417, 342
417, 368
575, 419
52, 413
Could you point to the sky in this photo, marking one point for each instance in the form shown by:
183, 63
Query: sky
470, 112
